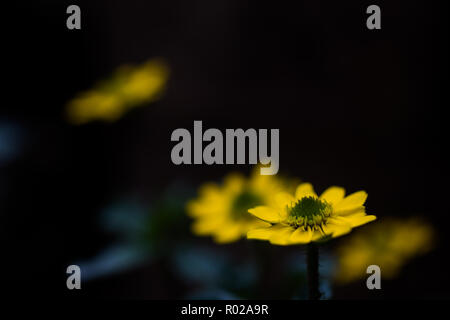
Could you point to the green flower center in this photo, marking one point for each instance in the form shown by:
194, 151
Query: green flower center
242, 203
309, 211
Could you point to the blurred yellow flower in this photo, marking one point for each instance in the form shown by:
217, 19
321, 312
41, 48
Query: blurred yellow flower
129, 87
305, 217
389, 244
222, 211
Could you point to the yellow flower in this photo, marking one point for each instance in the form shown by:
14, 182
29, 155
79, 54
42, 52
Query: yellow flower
129, 87
305, 217
222, 211
389, 244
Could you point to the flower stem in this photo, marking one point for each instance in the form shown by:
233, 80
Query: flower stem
313, 271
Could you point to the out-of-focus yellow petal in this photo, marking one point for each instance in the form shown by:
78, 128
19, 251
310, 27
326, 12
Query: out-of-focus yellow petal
206, 226
127, 88
259, 182
94, 105
204, 208
333, 195
209, 189
144, 83
234, 183
305, 190
389, 243
229, 232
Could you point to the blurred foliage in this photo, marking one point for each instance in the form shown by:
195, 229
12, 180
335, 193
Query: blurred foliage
12, 138
209, 270
143, 232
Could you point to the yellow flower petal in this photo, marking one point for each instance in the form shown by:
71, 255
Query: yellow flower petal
358, 219
282, 236
337, 230
305, 190
301, 236
263, 233
254, 224
333, 195
317, 235
347, 212
353, 201
265, 213
327, 231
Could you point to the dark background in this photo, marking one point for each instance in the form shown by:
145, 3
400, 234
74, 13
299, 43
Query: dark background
355, 107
